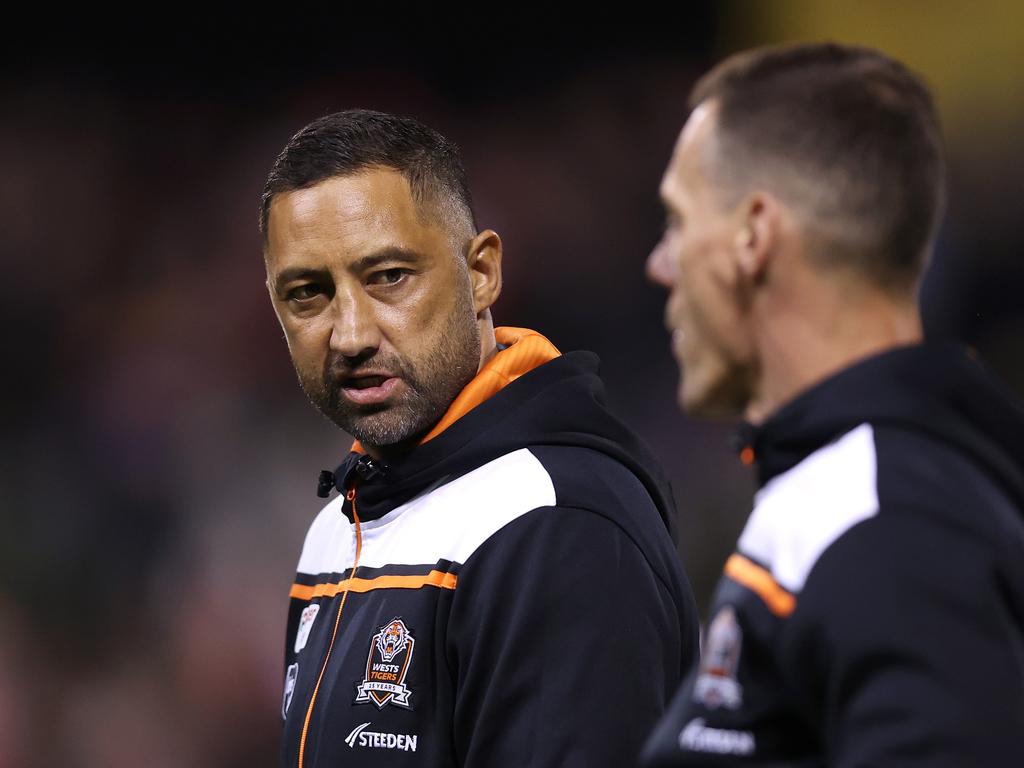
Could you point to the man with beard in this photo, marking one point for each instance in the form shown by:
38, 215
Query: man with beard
873, 611
496, 584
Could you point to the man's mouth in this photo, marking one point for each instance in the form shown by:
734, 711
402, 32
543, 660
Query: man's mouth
365, 382
370, 389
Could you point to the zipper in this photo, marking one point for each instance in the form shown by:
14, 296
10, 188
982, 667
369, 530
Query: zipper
351, 496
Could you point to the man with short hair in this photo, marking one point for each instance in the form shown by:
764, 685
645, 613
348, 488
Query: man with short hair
495, 585
873, 611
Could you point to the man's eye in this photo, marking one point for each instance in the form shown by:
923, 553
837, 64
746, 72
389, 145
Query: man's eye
305, 292
387, 276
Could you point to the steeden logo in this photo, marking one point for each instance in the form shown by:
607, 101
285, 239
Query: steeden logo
361, 737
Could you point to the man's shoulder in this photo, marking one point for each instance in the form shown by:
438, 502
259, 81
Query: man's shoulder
589, 478
892, 479
921, 472
543, 479
799, 514
576, 467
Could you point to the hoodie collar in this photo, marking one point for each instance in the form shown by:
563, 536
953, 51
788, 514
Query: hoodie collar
935, 388
560, 402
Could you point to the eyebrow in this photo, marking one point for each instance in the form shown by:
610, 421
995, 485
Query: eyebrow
389, 254
297, 273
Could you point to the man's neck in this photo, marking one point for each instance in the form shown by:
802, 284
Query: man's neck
488, 344
806, 343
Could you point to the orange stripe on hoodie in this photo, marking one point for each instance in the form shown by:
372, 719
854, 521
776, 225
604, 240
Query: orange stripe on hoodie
761, 582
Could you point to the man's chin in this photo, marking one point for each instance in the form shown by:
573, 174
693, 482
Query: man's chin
709, 403
381, 427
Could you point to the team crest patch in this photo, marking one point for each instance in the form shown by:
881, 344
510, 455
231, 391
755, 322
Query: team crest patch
387, 666
305, 625
716, 677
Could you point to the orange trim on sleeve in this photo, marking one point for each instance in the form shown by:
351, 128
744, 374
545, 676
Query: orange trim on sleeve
761, 583
440, 579
524, 351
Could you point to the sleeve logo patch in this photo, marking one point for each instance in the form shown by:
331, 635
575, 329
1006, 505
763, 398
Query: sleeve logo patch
387, 666
289, 689
716, 678
305, 625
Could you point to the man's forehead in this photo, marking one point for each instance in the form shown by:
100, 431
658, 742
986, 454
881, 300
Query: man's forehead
695, 139
691, 153
350, 222
368, 206
360, 195
699, 124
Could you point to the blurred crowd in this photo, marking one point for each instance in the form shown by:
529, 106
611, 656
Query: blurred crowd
159, 460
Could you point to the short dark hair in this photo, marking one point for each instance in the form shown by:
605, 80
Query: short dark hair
354, 140
850, 135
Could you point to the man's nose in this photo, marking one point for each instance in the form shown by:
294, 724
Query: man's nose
355, 332
660, 266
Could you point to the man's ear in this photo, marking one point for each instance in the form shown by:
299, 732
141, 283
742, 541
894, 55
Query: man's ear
757, 234
484, 261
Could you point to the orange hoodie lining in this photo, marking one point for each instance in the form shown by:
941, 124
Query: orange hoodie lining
525, 350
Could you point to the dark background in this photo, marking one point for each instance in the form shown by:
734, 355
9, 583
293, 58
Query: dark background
159, 461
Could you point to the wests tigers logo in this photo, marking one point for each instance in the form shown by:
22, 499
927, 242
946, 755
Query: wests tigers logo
387, 665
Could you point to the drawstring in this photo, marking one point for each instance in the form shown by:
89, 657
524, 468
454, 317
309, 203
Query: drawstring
351, 497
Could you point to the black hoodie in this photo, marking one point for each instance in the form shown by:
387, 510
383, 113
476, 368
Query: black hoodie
517, 598
873, 612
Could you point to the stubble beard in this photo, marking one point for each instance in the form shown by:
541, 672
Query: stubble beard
430, 385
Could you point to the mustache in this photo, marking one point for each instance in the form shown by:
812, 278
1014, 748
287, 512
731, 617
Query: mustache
338, 368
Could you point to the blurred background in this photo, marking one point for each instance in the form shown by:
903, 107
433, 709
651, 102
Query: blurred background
159, 460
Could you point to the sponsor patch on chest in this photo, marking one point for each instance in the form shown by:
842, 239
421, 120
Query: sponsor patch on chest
387, 665
360, 737
697, 736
